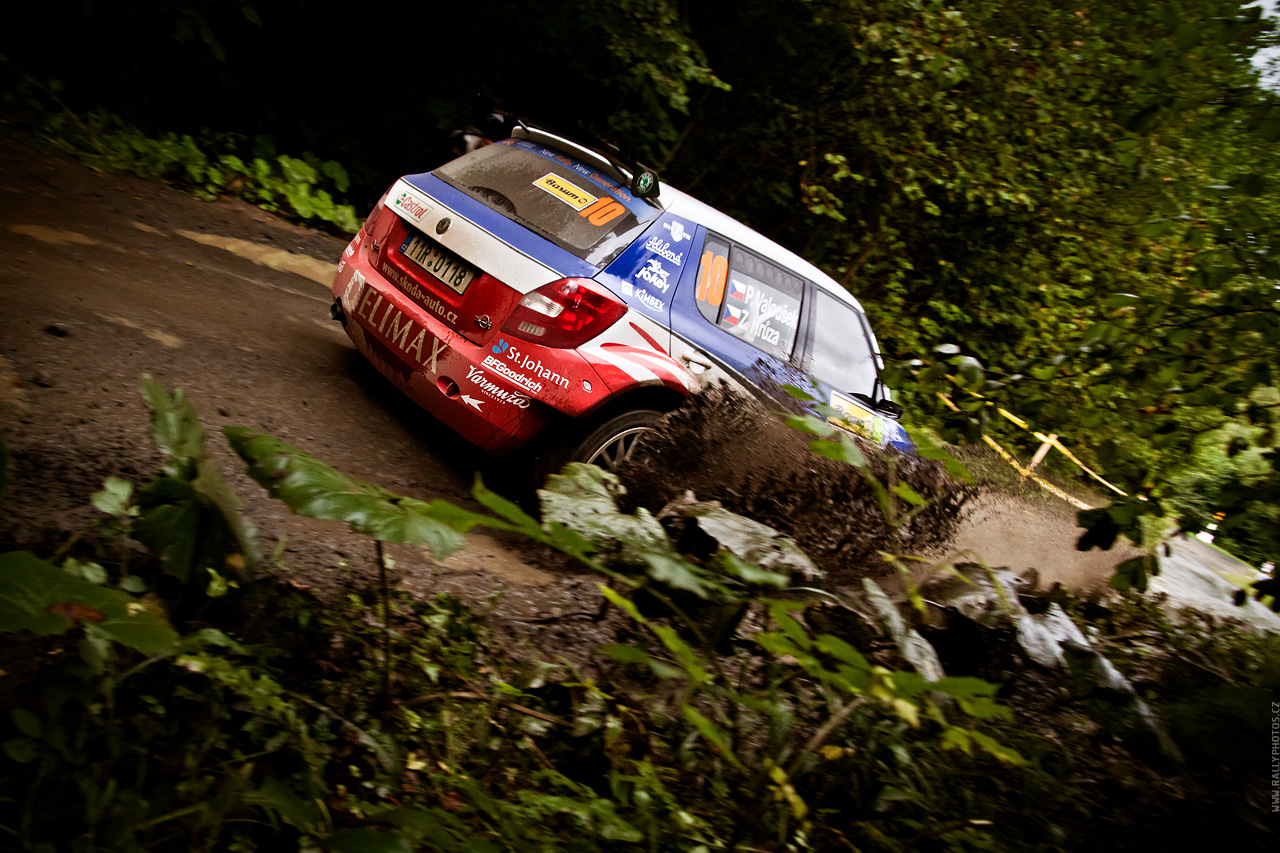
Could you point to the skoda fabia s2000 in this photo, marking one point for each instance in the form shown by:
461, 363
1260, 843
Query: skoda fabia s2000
542, 289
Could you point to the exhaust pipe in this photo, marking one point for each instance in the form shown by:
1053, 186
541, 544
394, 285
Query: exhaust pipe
336, 312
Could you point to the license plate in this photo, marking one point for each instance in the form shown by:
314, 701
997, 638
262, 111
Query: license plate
438, 261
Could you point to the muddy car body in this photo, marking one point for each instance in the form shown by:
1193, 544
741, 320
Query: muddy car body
537, 291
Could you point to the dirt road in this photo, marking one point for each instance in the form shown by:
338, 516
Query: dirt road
108, 277
103, 278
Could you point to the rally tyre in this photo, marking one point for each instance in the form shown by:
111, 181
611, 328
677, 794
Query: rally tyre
612, 442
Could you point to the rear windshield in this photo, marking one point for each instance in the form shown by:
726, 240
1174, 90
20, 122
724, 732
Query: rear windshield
569, 203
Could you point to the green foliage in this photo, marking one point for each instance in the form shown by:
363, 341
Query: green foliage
211, 165
311, 488
808, 730
43, 599
187, 515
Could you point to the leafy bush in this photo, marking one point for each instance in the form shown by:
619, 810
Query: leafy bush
815, 727
212, 165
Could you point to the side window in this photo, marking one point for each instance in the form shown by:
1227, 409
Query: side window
748, 297
712, 274
840, 356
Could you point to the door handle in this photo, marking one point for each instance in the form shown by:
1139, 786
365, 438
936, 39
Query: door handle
696, 363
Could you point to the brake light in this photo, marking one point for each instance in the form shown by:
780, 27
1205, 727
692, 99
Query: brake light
564, 313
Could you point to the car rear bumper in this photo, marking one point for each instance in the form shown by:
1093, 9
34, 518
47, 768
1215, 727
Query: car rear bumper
475, 390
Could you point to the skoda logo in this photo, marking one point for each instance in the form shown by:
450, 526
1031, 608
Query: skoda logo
443, 225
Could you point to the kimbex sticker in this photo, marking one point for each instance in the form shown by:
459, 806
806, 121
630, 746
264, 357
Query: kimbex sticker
569, 193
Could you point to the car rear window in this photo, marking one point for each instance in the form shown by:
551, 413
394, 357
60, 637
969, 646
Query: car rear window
554, 195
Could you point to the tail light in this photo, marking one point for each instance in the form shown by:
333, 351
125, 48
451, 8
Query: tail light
564, 313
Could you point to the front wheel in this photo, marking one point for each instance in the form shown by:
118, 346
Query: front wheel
612, 443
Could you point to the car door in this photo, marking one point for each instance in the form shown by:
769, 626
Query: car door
840, 360
739, 318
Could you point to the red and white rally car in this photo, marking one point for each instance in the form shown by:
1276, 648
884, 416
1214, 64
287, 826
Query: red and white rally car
538, 287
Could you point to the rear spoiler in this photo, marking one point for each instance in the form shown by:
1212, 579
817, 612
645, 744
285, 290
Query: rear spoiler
641, 179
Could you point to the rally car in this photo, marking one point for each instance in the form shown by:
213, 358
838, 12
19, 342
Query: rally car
539, 290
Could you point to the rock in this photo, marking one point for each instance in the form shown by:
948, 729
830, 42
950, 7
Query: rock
750, 541
915, 648
1053, 641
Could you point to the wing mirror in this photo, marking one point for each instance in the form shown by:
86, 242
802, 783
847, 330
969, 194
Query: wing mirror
889, 409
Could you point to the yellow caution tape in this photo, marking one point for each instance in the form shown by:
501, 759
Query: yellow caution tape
1051, 440
1044, 484
1017, 420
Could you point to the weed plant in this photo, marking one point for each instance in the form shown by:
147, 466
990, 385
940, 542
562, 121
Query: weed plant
225, 708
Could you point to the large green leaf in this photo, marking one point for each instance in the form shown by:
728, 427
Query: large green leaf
188, 517
175, 425
313, 489
39, 597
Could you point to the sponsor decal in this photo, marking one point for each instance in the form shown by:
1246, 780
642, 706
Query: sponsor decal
569, 193
656, 274
602, 211
528, 364
533, 386
489, 389
648, 300
399, 330
856, 417
412, 206
352, 292
627, 288
662, 249
676, 227
610, 187
414, 290
770, 313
